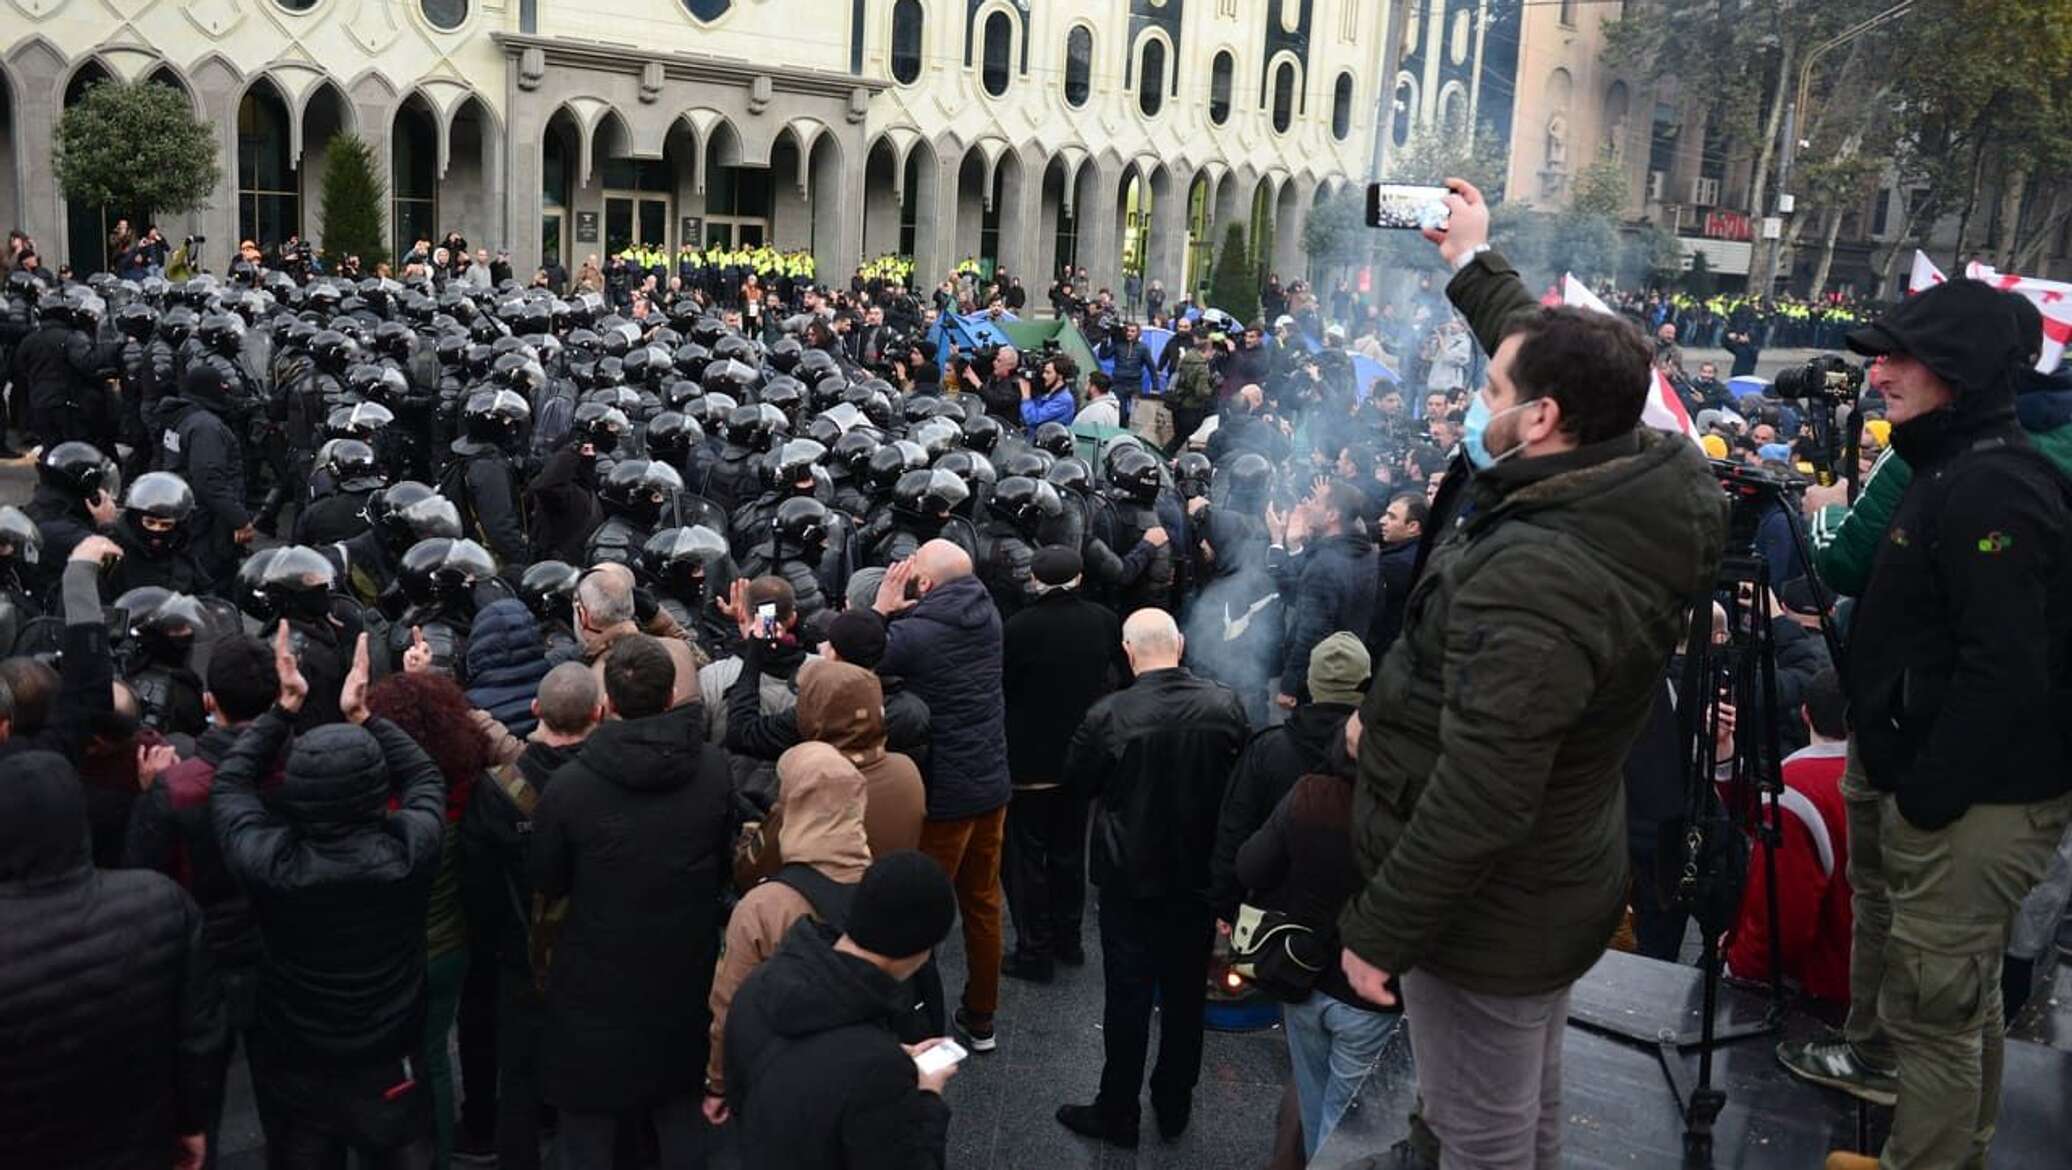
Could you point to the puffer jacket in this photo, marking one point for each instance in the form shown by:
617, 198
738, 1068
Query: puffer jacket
844, 706
1489, 820
1157, 755
109, 1017
339, 883
1333, 585
506, 659
947, 647
822, 798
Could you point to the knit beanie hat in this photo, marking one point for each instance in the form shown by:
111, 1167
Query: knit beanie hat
1338, 670
904, 906
858, 635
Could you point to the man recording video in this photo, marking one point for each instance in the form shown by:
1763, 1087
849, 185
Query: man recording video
999, 385
1957, 788
1489, 816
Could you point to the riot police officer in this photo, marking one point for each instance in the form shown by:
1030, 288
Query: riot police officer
692, 572
443, 583
199, 444
548, 589
159, 633
483, 479
352, 474
399, 516
155, 532
1022, 508
635, 494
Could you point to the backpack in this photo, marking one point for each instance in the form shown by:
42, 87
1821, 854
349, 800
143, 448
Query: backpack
546, 917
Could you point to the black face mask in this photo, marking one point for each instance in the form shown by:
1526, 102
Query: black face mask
168, 649
304, 605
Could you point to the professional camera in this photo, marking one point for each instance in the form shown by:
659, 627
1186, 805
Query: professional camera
1828, 376
196, 239
1752, 493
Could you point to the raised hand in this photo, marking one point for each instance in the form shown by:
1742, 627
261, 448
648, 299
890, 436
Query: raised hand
352, 697
293, 687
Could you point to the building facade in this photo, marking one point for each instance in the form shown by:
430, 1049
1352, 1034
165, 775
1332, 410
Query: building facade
1121, 135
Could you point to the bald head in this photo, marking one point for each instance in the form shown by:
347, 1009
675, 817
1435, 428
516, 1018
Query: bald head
606, 595
1152, 640
939, 562
569, 704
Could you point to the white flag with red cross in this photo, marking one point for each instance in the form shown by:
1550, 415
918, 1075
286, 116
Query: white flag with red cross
2053, 298
1664, 410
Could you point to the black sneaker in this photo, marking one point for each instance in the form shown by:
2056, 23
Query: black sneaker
976, 1031
1028, 968
1094, 1122
1834, 1062
474, 1150
1172, 1119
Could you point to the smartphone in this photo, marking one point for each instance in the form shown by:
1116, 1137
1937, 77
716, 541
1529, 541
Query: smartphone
947, 1054
766, 620
1406, 208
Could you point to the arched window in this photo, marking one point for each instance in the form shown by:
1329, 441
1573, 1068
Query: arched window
1453, 108
1079, 65
444, 15
1568, 13
707, 9
1404, 112
414, 164
268, 202
906, 41
1219, 88
1151, 78
1283, 97
1342, 107
297, 5
999, 47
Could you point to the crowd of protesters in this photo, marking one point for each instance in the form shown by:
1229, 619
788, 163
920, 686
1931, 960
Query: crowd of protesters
627, 680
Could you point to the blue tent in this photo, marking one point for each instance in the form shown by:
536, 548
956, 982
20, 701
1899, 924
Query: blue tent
1366, 370
968, 332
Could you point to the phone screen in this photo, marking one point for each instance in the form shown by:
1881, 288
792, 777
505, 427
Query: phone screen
766, 620
944, 1055
1406, 208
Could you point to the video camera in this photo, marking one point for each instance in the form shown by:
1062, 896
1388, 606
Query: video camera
1752, 493
1829, 377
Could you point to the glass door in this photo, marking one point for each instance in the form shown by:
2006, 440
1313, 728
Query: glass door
552, 240
635, 220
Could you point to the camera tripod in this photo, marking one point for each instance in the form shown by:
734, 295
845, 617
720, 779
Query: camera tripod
1712, 851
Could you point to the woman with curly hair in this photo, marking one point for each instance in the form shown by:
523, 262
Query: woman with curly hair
433, 710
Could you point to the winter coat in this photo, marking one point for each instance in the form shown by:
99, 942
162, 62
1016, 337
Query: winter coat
763, 674
1157, 756
1956, 662
170, 831
203, 450
564, 506
109, 1015
506, 661
751, 733
338, 882
823, 798
1395, 563
1330, 586
1300, 862
844, 706
85, 698
1061, 654
635, 833
495, 843
62, 520
1488, 819
483, 484
1272, 761
815, 1071
1056, 406
947, 647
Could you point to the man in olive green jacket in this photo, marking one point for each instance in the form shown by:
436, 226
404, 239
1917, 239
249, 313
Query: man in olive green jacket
1490, 816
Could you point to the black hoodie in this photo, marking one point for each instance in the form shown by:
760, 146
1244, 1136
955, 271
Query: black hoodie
107, 1002
1272, 761
815, 1071
1961, 645
636, 833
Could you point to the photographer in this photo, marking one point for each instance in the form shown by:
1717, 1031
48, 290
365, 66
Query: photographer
1958, 788
1001, 386
1055, 402
1487, 821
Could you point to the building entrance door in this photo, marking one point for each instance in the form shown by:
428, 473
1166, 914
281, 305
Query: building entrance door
736, 231
633, 219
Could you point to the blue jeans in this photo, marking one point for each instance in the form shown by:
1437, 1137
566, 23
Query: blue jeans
1332, 1045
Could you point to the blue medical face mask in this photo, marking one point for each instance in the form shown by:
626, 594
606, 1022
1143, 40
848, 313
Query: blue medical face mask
1476, 424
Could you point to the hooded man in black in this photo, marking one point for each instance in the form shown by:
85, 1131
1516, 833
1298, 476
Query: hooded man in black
201, 448
105, 992
1955, 678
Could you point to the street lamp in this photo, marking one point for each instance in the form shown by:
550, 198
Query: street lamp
1775, 244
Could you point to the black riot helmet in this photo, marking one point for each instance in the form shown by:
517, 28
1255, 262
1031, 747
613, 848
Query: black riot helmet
496, 416
297, 583
394, 339
77, 469
222, 333
973, 468
639, 488
730, 376
1026, 503
825, 391
892, 462
155, 511
1054, 437
444, 570
793, 464
786, 394
1134, 472
736, 348
677, 393
518, 372
407, 512
178, 324
451, 348
1070, 474
1193, 474
363, 421
815, 365
248, 589
1251, 479
377, 383
136, 321
690, 564
601, 427
938, 437
712, 412
801, 524
785, 353
750, 428
1024, 461
548, 589
351, 463
21, 542
163, 623
982, 433
690, 360
930, 494
854, 450
671, 435
332, 351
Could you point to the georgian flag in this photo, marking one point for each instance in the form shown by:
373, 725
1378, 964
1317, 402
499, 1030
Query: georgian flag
1664, 410
2053, 298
